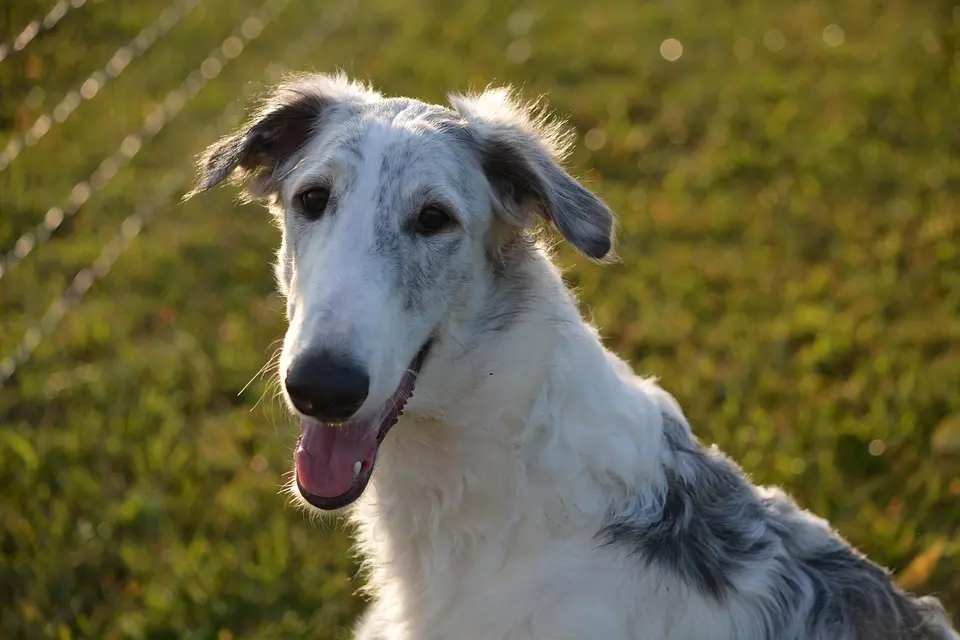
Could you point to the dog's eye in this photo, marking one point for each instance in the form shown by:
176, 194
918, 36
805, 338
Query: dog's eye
431, 220
314, 201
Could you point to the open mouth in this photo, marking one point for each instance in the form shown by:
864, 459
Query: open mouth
334, 461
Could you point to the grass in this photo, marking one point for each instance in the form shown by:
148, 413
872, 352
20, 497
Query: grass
789, 197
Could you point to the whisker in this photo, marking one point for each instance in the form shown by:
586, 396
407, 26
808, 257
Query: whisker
260, 399
272, 361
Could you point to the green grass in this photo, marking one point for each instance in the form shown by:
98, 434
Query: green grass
790, 241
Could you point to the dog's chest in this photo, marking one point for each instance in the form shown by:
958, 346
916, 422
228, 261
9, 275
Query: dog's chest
568, 590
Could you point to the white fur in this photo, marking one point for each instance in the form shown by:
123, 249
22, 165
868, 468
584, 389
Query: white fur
482, 520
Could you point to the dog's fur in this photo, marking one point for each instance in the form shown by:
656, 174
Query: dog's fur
535, 487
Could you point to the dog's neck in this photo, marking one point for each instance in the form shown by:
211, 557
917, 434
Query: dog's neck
478, 476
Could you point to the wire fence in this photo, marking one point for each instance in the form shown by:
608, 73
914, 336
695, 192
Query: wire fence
91, 86
39, 26
170, 185
172, 104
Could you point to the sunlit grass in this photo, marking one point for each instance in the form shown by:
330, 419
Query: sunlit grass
786, 177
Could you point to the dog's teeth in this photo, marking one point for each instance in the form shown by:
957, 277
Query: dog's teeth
356, 469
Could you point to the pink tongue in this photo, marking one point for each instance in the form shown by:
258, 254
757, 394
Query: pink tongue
326, 455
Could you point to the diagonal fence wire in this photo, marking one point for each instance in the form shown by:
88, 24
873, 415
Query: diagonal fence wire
170, 107
39, 26
132, 225
120, 60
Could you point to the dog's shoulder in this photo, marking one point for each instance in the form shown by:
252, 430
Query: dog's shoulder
754, 547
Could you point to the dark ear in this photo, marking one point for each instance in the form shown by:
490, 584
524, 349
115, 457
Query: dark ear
291, 114
520, 152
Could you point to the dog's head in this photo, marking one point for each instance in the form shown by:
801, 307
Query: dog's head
392, 213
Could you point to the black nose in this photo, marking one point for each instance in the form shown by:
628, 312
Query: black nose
326, 385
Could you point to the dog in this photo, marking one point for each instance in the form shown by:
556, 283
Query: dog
507, 475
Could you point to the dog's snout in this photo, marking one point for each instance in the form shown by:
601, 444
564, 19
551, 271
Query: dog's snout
326, 385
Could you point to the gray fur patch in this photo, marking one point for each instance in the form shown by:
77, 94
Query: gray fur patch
529, 178
286, 120
511, 293
705, 528
352, 146
438, 265
716, 531
281, 128
519, 153
833, 591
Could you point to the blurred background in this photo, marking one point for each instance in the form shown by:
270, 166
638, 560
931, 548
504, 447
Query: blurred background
787, 177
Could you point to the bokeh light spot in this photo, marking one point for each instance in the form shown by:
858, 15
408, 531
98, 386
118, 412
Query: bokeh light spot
774, 40
833, 35
595, 139
671, 49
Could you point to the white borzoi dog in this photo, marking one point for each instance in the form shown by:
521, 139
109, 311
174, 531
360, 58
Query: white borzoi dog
508, 476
